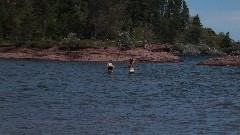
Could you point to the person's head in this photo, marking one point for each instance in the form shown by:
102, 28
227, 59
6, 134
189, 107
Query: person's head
110, 61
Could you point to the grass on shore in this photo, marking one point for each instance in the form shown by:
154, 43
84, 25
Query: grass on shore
67, 45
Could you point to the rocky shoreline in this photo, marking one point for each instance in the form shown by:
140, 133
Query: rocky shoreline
104, 54
222, 61
107, 54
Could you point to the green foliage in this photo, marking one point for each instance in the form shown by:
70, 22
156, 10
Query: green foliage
97, 22
196, 21
6, 43
209, 37
1, 33
71, 42
193, 34
124, 41
44, 43
179, 47
19, 44
27, 27
236, 48
226, 41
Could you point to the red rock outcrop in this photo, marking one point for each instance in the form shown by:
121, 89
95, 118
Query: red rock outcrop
111, 53
222, 61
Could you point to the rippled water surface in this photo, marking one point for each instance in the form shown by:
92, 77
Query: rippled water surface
39, 97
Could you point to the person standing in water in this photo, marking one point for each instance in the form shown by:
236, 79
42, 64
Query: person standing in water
131, 62
110, 66
131, 67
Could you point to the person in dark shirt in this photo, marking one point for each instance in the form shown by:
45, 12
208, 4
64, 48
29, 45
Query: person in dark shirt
131, 62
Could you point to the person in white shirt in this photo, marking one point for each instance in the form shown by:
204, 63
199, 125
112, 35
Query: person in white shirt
110, 66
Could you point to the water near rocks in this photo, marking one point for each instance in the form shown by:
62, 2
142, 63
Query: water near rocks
81, 98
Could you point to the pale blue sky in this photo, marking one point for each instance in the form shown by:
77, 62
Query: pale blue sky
220, 15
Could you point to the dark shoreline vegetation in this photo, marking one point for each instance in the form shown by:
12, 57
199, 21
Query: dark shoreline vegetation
126, 24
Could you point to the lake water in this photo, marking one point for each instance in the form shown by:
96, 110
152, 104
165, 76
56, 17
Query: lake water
59, 98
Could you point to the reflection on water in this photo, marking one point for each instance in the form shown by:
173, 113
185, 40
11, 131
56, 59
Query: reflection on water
81, 98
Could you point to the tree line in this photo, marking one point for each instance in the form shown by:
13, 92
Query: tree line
163, 21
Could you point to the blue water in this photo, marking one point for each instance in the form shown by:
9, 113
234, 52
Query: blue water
59, 98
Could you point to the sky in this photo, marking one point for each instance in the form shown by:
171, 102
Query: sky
220, 15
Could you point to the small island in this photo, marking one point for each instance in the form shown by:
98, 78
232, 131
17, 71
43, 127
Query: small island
222, 61
152, 31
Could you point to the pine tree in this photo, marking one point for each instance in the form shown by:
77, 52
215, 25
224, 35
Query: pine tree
40, 13
27, 25
193, 34
196, 21
184, 16
226, 41
7, 24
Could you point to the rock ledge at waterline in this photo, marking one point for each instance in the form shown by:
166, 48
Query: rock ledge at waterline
222, 61
104, 54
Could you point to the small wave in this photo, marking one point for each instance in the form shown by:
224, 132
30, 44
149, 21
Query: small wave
42, 86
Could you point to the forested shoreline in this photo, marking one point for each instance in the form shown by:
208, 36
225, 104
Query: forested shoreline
76, 24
